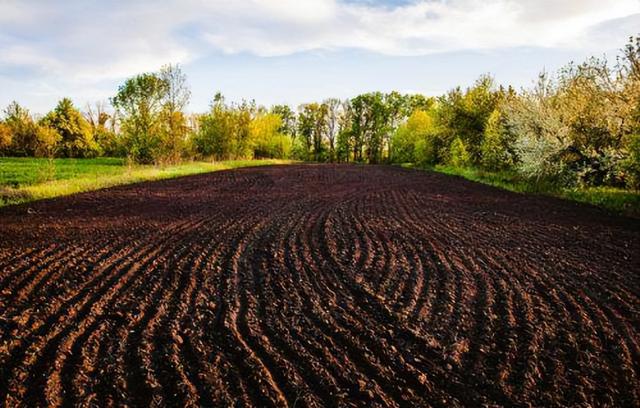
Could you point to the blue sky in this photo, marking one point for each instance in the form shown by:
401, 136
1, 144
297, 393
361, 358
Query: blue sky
295, 51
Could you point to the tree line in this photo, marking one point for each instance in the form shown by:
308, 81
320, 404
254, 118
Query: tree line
580, 126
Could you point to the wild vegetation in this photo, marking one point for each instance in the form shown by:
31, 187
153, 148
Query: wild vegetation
578, 129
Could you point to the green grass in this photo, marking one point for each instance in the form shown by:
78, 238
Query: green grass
616, 200
28, 179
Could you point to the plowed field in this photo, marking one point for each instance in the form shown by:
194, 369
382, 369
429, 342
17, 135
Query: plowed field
317, 285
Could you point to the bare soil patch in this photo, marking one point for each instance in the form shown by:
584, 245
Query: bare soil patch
317, 285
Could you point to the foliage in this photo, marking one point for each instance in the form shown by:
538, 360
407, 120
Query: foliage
458, 154
288, 119
267, 141
497, 151
631, 164
369, 126
6, 138
103, 128
225, 132
140, 100
47, 140
541, 137
465, 115
75, 135
174, 129
312, 127
416, 140
23, 130
334, 111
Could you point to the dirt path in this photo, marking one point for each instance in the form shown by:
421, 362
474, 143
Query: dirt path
317, 285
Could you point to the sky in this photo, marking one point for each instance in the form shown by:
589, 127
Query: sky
296, 51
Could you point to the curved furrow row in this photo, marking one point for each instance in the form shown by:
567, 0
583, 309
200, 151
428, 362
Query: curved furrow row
326, 338
148, 358
68, 340
338, 322
43, 341
597, 333
231, 326
58, 276
19, 266
262, 321
388, 339
317, 286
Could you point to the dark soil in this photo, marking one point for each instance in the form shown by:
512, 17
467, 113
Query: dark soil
317, 285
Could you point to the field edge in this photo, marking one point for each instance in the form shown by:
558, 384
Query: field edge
10, 196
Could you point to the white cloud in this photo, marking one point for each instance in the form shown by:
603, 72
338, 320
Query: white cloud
115, 39
79, 45
418, 28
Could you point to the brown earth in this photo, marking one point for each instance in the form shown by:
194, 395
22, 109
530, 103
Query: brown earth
317, 285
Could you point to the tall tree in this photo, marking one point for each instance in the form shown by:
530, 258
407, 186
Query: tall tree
334, 111
174, 120
23, 130
103, 128
288, 117
312, 128
6, 138
140, 100
75, 132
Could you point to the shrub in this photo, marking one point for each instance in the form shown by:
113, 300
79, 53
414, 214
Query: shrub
541, 138
413, 142
47, 140
266, 139
108, 142
6, 137
426, 151
76, 136
23, 130
541, 158
403, 145
497, 148
631, 165
280, 146
172, 134
458, 154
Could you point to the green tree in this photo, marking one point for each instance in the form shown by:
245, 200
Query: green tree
214, 138
47, 141
312, 128
75, 132
497, 146
174, 129
344, 138
333, 127
288, 118
414, 141
369, 126
140, 99
6, 138
225, 131
266, 138
23, 129
465, 114
458, 154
